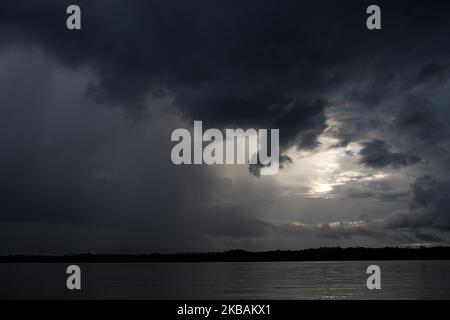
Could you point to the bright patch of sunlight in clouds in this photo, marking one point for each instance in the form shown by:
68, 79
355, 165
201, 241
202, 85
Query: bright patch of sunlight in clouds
316, 174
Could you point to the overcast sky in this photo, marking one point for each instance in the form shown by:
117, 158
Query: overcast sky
86, 118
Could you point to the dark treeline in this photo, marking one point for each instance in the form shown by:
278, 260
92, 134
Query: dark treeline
320, 254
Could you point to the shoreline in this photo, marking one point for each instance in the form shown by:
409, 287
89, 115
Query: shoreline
320, 254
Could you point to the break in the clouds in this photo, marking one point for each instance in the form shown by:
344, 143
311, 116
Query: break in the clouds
86, 118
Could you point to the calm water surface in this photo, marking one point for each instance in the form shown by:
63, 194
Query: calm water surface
243, 280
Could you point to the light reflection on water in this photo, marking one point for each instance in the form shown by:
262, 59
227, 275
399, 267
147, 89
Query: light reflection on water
242, 280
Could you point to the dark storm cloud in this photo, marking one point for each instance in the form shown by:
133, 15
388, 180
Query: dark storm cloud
376, 154
234, 221
267, 64
361, 229
430, 205
416, 117
427, 237
354, 193
255, 169
342, 230
256, 64
432, 72
75, 177
221, 62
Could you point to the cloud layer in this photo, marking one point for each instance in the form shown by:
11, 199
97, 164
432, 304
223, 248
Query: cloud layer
85, 120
